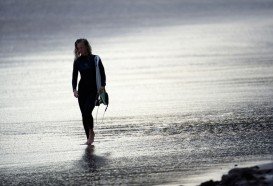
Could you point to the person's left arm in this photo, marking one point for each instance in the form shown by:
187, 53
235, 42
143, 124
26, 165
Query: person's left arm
102, 74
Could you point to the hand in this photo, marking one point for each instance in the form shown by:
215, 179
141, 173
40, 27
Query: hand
76, 94
102, 89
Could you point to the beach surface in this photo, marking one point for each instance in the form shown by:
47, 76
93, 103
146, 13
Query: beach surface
190, 86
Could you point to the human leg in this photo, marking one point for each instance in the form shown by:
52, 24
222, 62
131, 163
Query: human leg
87, 104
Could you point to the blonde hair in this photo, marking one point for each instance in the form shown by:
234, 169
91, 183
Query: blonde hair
86, 44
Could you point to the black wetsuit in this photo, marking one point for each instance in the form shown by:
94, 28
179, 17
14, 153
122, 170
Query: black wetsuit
87, 89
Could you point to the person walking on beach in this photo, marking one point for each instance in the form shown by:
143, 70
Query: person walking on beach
87, 89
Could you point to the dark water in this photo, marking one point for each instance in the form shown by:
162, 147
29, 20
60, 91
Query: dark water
190, 85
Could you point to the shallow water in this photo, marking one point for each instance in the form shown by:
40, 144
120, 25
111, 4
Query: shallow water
188, 91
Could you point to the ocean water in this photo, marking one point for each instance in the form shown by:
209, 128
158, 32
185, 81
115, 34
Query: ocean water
190, 86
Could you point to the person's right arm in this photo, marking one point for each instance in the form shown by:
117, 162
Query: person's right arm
75, 79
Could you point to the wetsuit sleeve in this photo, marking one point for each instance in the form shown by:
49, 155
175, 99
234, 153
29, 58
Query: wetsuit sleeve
102, 74
74, 76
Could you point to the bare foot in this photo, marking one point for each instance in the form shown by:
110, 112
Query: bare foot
91, 137
87, 142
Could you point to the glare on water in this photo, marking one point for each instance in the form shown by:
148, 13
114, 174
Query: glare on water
183, 96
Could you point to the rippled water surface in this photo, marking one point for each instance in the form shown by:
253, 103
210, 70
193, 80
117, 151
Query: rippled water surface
190, 85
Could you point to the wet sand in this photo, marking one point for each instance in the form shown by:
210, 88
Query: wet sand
158, 150
190, 93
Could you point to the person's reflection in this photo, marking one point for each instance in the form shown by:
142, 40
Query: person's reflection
90, 150
89, 158
90, 161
